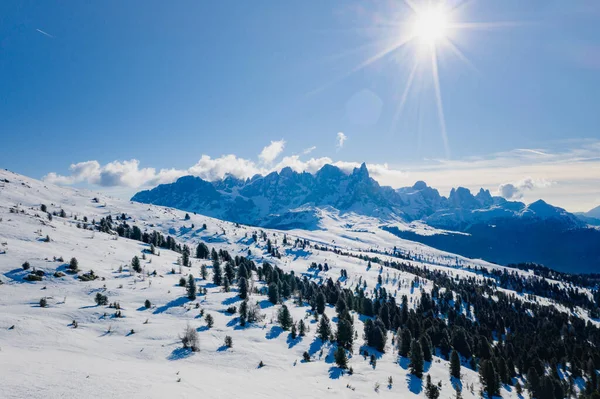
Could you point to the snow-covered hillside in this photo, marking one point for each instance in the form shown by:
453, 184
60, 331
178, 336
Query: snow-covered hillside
74, 347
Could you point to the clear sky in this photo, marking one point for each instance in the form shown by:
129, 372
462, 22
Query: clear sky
139, 92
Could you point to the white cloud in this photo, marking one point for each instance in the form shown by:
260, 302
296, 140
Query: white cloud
574, 173
341, 139
272, 151
516, 191
309, 150
216, 168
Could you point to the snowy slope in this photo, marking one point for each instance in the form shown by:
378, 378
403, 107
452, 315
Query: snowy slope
43, 355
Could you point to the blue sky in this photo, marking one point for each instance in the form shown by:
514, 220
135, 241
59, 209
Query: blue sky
166, 84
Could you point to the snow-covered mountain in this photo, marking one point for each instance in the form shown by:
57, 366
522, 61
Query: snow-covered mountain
288, 200
594, 213
264, 200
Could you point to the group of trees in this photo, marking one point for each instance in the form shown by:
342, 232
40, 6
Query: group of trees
501, 344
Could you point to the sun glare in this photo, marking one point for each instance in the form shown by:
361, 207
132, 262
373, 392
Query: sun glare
431, 25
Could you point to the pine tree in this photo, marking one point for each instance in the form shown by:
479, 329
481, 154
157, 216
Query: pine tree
209, 321
243, 311
229, 271
294, 332
489, 378
203, 272
426, 347
202, 251
431, 390
533, 382
416, 359
226, 284
405, 342
340, 358
217, 278
344, 334
284, 318
191, 288
273, 293
301, 328
74, 265
135, 264
324, 328
243, 287
455, 364
320, 303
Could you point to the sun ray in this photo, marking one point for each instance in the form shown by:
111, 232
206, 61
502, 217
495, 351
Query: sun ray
461, 55
404, 94
486, 25
438, 98
381, 54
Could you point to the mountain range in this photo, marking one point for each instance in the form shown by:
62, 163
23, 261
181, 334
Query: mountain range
480, 225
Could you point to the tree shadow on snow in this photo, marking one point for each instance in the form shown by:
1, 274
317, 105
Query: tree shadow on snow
404, 362
315, 346
174, 303
233, 322
415, 385
335, 372
293, 342
330, 356
180, 353
456, 384
202, 328
371, 351
426, 367
265, 304
232, 300
274, 332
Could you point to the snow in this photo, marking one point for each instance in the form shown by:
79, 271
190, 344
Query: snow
45, 356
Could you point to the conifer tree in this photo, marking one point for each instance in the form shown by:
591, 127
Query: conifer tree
294, 332
229, 271
405, 342
344, 334
431, 391
416, 359
191, 288
225, 284
340, 358
301, 328
202, 251
455, 364
243, 287
203, 272
320, 303
324, 328
284, 318
243, 311
489, 378
273, 293
217, 278
135, 264
533, 382
426, 347
74, 265
209, 321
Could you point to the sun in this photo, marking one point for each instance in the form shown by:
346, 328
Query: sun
431, 24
